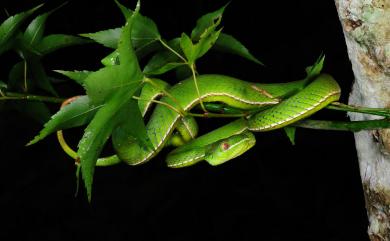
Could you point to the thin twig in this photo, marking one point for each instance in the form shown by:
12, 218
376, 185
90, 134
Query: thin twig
197, 88
19, 96
354, 126
365, 110
162, 103
172, 50
165, 92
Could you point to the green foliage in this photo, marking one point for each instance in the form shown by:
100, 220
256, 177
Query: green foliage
127, 132
207, 23
77, 76
29, 75
206, 41
316, 68
111, 59
75, 114
290, 132
108, 38
113, 87
54, 42
3, 85
108, 108
32, 45
96, 134
34, 31
144, 33
10, 28
16, 77
37, 111
165, 60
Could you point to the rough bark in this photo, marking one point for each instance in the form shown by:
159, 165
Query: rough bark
366, 25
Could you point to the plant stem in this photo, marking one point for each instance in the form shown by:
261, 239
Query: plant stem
373, 111
20, 96
196, 87
165, 92
162, 103
172, 50
25, 76
353, 126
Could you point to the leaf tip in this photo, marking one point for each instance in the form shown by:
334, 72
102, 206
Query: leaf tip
32, 142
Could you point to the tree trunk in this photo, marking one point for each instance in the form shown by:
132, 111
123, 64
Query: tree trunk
366, 25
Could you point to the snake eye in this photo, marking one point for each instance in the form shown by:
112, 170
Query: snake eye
225, 146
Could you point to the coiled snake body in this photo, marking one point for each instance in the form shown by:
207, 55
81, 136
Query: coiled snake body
275, 105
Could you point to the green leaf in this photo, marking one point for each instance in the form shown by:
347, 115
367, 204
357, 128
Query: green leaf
183, 72
125, 11
290, 132
144, 28
187, 47
76, 75
35, 29
77, 113
108, 38
207, 20
53, 42
10, 27
37, 111
204, 33
3, 85
316, 68
131, 127
165, 68
35, 76
96, 134
229, 44
127, 56
195, 51
111, 59
23, 48
126, 79
148, 47
100, 85
16, 79
39, 74
205, 44
164, 60
144, 33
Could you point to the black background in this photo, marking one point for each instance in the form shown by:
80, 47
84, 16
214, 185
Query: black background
275, 191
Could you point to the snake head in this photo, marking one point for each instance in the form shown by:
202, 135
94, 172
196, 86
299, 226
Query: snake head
229, 148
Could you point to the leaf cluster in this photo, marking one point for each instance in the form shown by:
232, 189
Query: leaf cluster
108, 105
28, 75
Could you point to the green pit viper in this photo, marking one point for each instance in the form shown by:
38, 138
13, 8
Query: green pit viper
272, 106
